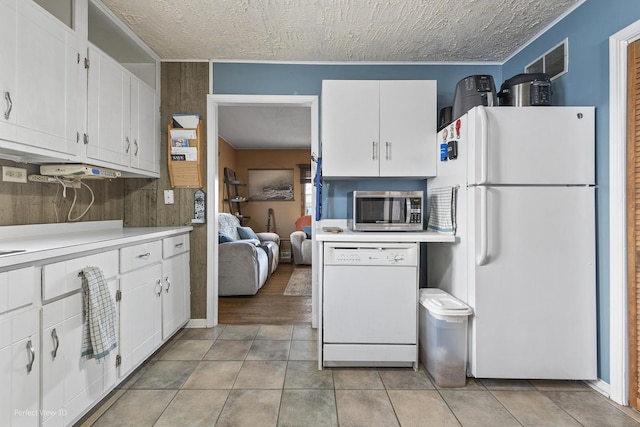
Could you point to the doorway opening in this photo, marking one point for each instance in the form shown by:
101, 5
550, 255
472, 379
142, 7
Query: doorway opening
214, 103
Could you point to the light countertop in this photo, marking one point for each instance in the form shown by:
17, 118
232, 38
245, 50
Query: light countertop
347, 235
41, 242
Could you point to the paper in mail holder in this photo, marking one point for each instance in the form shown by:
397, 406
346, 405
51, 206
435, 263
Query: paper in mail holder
190, 154
189, 121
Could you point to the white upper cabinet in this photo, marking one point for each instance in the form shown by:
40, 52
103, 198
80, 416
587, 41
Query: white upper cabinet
123, 126
378, 128
145, 127
109, 110
8, 55
40, 66
76, 85
350, 128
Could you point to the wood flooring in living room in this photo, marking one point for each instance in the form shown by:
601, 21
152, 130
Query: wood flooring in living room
269, 306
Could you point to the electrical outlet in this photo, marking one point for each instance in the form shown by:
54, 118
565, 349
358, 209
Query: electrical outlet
168, 197
10, 174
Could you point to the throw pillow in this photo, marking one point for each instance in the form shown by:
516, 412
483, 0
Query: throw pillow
247, 233
224, 237
307, 231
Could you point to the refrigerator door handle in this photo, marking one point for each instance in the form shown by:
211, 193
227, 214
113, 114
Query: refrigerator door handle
483, 255
482, 115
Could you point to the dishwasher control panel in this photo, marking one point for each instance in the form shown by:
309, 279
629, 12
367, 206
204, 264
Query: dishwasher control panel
371, 254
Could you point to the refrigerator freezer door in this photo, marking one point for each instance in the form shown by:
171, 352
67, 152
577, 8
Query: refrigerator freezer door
531, 145
534, 297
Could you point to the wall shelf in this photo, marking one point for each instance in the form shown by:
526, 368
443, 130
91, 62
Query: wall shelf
233, 197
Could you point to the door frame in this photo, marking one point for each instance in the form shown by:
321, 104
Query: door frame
213, 102
618, 328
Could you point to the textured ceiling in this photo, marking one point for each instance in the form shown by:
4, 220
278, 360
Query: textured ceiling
339, 30
265, 126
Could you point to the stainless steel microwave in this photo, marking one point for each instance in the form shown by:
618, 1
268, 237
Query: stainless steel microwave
385, 210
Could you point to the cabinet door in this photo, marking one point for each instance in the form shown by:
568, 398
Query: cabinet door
70, 384
5, 390
8, 69
53, 369
144, 127
350, 128
109, 110
175, 298
140, 315
46, 81
25, 369
407, 128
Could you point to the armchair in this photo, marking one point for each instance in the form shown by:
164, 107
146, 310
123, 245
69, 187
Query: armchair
245, 259
301, 243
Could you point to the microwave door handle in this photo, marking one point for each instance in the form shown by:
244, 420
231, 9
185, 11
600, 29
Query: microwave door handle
407, 209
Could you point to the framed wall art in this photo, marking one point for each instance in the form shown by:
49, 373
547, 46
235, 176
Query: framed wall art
271, 184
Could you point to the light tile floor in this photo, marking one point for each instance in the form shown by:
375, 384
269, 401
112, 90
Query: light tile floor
267, 376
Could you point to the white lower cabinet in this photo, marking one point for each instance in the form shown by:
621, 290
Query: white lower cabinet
44, 380
176, 301
71, 384
140, 315
20, 369
140, 304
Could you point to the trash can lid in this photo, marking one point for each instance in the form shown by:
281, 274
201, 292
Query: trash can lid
439, 302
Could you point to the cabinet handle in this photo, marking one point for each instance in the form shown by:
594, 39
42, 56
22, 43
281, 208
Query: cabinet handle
7, 113
159, 284
32, 356
388, 150
145, 256
178, 245
56, 343
126, 150
373, 150
166, 279
135, 142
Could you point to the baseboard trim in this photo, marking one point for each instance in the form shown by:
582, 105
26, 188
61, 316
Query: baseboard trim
196, 323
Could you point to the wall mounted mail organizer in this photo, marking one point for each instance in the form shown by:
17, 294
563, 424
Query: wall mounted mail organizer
185, 155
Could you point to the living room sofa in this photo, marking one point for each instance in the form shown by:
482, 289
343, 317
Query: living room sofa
245, 259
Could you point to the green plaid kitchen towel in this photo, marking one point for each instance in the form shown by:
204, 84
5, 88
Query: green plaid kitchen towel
99, 336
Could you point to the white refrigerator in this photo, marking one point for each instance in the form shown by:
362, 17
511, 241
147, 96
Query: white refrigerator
524, 252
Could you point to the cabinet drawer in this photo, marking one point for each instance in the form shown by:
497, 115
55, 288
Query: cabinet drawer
64, 276
137, 256
175, 245
17, 288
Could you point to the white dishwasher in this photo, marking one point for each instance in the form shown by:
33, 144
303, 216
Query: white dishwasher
369, 304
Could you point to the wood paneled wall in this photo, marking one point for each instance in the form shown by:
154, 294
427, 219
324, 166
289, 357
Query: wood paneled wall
227, 158
37, 203
184, 87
